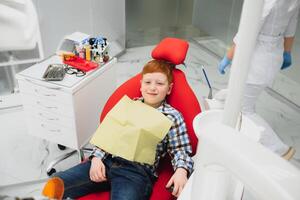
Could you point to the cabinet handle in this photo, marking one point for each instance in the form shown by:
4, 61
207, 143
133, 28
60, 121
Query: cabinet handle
51, 130
56, 131
48, 107
47, 95
51, 88
49, 119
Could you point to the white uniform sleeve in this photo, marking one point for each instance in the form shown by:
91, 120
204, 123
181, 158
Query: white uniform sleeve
292, 26
261, 23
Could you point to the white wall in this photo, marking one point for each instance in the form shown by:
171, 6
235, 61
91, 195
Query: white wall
218, 18
58, 18
147, 14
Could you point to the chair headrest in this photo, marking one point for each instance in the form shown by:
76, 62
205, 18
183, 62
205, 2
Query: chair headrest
173, 50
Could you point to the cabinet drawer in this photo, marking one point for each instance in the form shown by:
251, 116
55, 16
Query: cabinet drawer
49, 106
51, 118
53, 93
57, 134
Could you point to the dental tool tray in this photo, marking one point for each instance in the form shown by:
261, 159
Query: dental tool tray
54, 72
80, 63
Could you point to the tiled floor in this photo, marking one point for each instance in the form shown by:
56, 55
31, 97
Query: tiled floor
24, 158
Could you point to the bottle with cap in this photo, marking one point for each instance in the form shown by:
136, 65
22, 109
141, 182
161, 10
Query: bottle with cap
87, 52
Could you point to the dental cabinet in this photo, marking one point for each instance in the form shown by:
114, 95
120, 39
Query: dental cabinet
65, 112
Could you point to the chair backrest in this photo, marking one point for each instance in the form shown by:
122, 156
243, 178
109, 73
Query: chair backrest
182, 98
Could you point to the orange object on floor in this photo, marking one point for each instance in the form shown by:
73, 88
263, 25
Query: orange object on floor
54, 188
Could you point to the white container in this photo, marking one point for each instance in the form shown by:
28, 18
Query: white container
69, 42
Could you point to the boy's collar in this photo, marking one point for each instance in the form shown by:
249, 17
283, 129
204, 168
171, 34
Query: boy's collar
142, 100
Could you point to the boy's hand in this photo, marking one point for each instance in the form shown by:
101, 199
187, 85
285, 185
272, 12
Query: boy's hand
178, 179
97, 170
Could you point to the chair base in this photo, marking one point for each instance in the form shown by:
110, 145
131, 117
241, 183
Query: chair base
51, 167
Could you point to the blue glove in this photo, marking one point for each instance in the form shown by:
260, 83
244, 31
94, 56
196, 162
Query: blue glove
287, 60
223, 64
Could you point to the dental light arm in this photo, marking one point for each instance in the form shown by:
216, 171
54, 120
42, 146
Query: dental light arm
18, 25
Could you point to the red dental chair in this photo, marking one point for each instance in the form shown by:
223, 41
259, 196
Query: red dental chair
182, 98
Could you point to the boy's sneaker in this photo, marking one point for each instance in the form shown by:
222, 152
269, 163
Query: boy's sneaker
54, 188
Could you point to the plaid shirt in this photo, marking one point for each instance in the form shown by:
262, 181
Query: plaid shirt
176, 143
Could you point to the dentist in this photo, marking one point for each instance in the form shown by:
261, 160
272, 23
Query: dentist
272, 53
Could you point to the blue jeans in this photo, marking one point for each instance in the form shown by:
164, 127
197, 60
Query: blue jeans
125, 179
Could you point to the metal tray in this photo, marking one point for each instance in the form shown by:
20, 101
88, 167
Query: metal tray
55, 72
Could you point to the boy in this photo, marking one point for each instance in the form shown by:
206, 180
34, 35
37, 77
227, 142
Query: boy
127, 179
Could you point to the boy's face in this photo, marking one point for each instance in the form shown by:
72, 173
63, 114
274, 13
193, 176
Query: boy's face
155, 87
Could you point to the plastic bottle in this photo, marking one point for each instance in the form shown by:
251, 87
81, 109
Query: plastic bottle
88, 52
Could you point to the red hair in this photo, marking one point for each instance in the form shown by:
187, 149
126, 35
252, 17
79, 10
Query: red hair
159, 66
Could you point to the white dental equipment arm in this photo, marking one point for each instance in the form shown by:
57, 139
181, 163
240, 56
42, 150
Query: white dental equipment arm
18, 25
265, 174
248, 31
